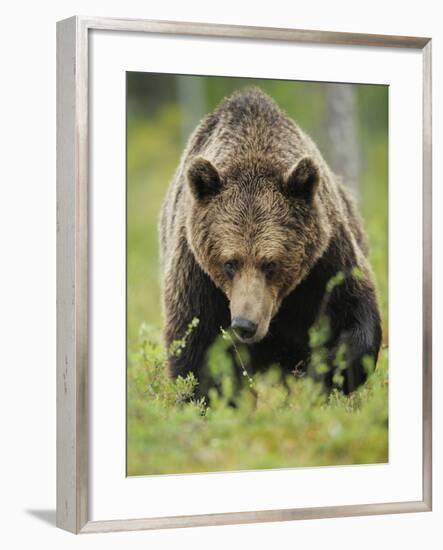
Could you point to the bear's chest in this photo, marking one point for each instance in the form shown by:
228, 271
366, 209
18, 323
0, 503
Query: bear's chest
287, 343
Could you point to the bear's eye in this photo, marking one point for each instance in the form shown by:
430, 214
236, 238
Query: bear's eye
269, 269
230, 268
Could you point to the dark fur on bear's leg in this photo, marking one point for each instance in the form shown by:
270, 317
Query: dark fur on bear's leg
355, 325
360, 338
205, 303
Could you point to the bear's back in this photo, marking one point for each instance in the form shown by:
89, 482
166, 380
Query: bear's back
248, 123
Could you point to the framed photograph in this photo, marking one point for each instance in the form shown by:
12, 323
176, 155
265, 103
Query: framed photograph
244, 274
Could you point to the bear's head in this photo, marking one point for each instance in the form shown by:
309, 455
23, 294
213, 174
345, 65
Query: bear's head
256, 230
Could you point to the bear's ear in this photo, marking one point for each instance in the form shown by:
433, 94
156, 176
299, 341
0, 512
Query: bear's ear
302, 180
203, 179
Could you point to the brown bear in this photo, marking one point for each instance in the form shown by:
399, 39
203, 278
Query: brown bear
253, 229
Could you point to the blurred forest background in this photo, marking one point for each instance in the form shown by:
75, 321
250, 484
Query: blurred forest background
349, 123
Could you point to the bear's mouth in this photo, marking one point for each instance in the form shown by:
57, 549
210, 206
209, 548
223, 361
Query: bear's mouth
247, 341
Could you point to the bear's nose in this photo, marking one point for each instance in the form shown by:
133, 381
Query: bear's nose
244, 328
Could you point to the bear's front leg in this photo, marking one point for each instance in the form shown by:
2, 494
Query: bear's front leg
356, 345
355, 335
194, 310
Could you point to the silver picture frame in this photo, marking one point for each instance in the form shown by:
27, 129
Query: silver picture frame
73, 273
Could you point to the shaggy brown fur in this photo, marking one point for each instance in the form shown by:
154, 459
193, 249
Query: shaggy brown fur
253, 227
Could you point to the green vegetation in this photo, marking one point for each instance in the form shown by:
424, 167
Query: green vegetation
274, 423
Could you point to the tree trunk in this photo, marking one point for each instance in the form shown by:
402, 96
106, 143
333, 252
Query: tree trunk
191, 96
344, 147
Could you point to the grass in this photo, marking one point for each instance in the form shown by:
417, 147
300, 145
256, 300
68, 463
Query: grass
275, 423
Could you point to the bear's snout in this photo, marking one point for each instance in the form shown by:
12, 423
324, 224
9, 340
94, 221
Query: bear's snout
251, 306
244, 328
